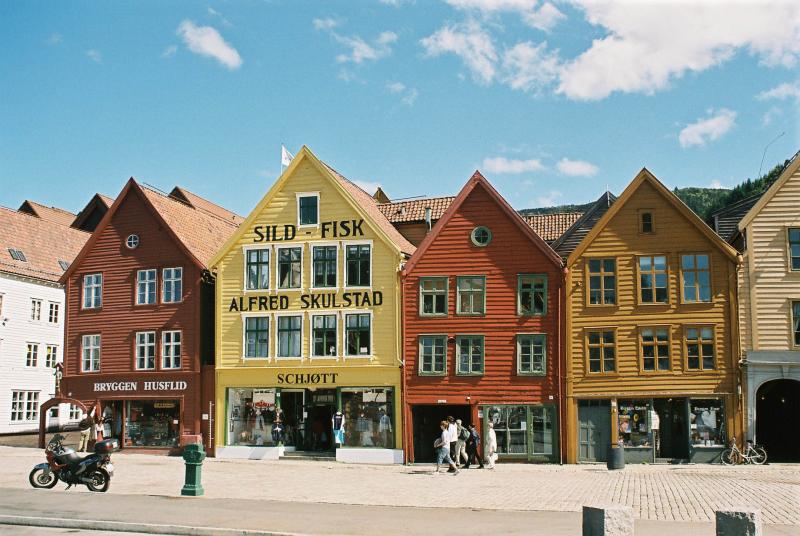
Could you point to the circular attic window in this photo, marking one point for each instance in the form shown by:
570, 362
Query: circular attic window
481, 236
132, 242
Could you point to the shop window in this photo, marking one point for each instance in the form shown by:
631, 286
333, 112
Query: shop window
469, 349
52, 314
602, 281
36, 310
145, 350
602, 350
32, 355
358, 262
531, 354
145, 287
543, 430
699, 344
90, 352
653, 279
633, 423
433, 296
471, 295
794, 249
357, 334
172, 285
796, 323
646, 222
707, 422
257, 267
511, 428
289, 336
152, 423
307, 209
324, 266
252, 415
24, 405
92, 291
532, 295
696, 278
171, 350
324, 335
654, 348
290, 265
256, 336
368, 417
432, 355
51, 356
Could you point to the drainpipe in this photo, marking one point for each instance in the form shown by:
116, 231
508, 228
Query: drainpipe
404, 418
559, 354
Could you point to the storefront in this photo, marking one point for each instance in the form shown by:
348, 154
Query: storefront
524, 432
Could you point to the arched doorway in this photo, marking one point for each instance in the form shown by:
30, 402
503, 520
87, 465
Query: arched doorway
778, 420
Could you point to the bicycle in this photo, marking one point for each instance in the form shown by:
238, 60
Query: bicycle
752, 454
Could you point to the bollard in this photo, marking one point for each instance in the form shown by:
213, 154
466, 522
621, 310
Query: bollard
740, 522
615, 457
607, 521
193, 456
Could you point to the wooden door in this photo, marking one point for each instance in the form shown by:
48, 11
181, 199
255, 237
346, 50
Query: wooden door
594, 430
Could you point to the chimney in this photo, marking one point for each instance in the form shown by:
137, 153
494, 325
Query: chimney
428, 218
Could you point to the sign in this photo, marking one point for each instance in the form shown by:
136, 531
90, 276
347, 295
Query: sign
330, 229
163, 405
307, 378
122, 387
327, 300
264, 398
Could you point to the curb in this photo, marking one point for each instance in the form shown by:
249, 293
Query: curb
145, 528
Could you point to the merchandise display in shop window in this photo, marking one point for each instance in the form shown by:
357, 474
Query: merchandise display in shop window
706, 422
634, 429
152, 423
523, 430
253, 419
368, 418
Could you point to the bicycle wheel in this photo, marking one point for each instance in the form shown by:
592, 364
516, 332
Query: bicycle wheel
759, 456
727, 457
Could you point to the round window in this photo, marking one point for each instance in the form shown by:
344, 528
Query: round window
132, 241
481, 236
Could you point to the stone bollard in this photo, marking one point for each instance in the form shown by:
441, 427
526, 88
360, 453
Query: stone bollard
607, 521
193, 456
740, 522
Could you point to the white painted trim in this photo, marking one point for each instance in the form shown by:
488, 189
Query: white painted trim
250, 247
346, 243
269, 318
302, 315
298, 195
346, 312
339, 250
339, 352
277, 267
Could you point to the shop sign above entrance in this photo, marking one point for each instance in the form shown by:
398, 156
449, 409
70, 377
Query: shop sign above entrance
119, 387
326, 300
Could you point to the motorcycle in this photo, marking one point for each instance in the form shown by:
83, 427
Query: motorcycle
63, 463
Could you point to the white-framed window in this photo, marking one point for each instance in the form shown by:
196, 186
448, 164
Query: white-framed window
52, 313
358, 265
92, 291
290, 340
308, 209
74, 412
171, 349
172, 285
24, 406
531, 353
146, 287
256, 337
432, 355
323, 335
290, 267
145, 350
51, 356
32, 354
90, 353
324, 259
257, 268
358, 334
471, 295
433, 296
470, 355
36, 309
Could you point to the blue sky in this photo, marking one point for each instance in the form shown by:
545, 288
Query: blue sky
552, 101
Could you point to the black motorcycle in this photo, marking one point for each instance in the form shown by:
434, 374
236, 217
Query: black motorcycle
63, 463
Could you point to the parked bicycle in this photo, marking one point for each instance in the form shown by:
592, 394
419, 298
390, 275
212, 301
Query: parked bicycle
751, 454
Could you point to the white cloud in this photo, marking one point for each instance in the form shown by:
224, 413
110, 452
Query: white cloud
94, 55
770, 116
169, 51
709, 129
360, 50
367, 186
782, 92
214, 13
408, 95
469, 42
716, 184
501, 164
549, 199
576, 168
544, 18
325, 24
54, 39
529, 67
396, 3
207, 41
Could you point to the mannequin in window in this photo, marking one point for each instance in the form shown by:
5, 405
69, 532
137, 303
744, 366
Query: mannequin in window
364, 427
384, 428
337, 422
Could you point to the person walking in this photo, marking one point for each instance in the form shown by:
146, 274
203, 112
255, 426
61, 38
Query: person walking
473, 443
462, 435
452, 434
491, 446
442, 446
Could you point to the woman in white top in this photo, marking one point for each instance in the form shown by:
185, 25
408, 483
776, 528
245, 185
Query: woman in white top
491, 446
442, 446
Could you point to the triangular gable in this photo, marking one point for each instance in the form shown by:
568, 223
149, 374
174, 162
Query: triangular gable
327, 172
645, 176
479, 180
97, 202
565, 243
790, 170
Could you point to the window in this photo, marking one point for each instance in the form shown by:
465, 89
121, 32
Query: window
36, 309
481, 236
707, 418
794, 249
433, 296
24, 405
357, 332
324, 335
469, 349
700, 348
602, 281
17, 255
531, 353
251, 414
532, 295
90, 350
523, 430
132, 242
171, 350
433, 354
145, 350
51, 356
32, 355
289, 340
64, 265
796, 322
92, 291
471, 295
308, 209
172, 285
368, 415
358, 265
256, 336
654, 348
289, 267
602, 350
324, 258
257, 261
52, 314
633, 422
696, 278
145, 287
646, 223
74, 412
653, 279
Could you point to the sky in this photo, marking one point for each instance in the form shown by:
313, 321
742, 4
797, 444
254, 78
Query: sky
553, 101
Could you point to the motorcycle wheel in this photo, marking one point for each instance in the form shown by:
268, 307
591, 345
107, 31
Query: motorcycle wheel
39, 479
99, 481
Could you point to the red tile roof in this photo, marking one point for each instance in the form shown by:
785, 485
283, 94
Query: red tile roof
551, 226
43, 243
106, 199
182, 194
413, 210
52, 214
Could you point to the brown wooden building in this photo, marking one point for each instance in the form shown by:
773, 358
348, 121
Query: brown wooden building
139, 317
482, 310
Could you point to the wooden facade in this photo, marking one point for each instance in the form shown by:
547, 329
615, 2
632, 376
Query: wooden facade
651, 323
518, 393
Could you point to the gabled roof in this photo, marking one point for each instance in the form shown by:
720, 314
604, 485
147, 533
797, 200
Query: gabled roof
551, 226
478, 180
43, 242
98, 202
645, 176
413, 210
359, 200
52, 214
790, 170
573, 236
194, 200
726, 220
380, 196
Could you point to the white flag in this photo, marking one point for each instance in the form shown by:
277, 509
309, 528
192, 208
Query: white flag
286, 156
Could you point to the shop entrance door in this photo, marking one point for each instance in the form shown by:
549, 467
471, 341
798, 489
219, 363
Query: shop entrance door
594, 430
426, 429
320, 407
292, 405
673, 442
778, 420
112, 420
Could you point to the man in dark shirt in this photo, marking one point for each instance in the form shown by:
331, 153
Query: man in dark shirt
473, 443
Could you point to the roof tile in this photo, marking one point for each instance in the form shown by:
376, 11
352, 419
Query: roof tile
551, 226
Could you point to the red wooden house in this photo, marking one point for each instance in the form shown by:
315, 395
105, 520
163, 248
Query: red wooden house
482, 338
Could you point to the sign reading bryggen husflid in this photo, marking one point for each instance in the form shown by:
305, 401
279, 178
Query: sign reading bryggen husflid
308, 323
